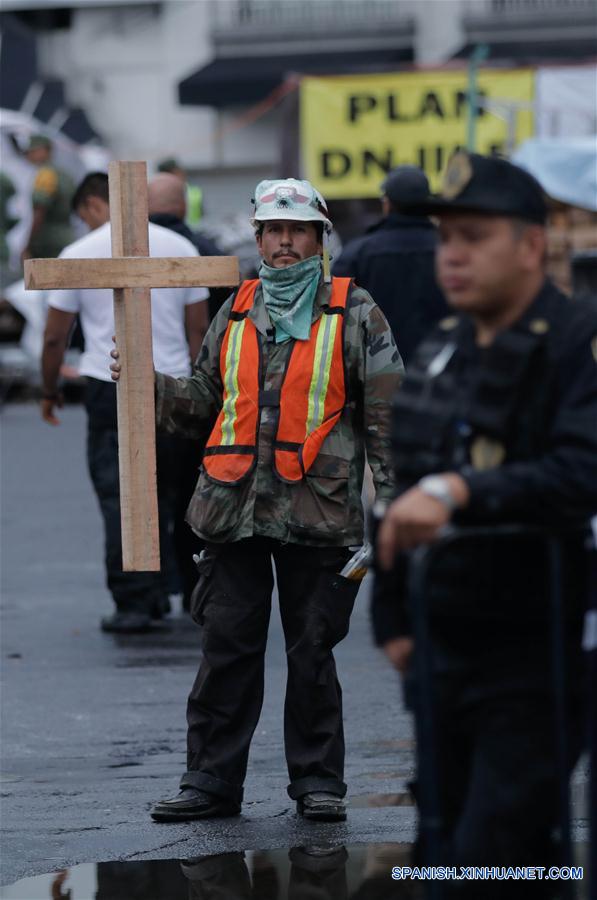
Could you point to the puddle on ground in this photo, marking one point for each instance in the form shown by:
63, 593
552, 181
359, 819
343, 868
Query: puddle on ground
372, 801
318, 872
321, 871
159, 661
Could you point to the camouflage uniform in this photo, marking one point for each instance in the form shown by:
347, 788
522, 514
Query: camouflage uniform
52, 189
324, 509
306, 528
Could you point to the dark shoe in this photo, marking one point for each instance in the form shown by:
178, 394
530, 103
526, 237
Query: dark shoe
126, 623
321, 805
191, 803
161, 608
318, 859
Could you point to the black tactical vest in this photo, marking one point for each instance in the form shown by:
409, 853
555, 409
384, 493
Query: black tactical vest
461, 405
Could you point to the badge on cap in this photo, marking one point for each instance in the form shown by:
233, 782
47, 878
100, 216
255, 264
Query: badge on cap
539, 326
457, 175
486, 453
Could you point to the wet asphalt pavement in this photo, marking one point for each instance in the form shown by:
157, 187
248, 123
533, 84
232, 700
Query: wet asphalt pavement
93, 727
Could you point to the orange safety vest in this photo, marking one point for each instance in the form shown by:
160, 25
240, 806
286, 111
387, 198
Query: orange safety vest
310, 401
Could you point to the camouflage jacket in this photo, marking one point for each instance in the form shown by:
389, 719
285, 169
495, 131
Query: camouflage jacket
325, 508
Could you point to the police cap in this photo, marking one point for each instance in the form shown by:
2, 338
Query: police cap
405, 185
486, 184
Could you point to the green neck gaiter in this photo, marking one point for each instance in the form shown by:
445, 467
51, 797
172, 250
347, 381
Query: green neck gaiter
288, 295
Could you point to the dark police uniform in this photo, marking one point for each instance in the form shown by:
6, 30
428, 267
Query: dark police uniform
518, 421
394, 263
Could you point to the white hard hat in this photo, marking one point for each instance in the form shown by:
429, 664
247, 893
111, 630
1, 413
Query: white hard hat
289, 198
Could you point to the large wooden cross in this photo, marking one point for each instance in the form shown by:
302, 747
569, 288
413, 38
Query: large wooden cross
130, 273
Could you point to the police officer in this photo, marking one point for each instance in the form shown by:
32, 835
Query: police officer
496, 421
393, 261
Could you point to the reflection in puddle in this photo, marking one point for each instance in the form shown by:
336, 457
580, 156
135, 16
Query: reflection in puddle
316, 872
378, 800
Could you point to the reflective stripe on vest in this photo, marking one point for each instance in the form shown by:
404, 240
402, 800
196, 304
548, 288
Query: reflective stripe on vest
312, 397
230, 452
313, 394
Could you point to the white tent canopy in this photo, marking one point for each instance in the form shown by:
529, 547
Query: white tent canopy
566, 167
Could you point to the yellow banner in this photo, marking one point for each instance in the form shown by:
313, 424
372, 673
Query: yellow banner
355, 128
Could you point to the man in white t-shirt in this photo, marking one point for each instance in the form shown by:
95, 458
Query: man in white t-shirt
179, 318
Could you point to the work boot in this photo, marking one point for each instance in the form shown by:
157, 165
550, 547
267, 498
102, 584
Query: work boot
126, 623
191, 803
321, 805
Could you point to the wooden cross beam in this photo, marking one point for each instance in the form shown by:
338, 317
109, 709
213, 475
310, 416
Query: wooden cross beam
130, 273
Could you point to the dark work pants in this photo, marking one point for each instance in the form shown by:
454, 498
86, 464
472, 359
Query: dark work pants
233, 603
177, 470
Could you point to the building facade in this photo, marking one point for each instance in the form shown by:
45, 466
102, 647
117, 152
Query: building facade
213, 82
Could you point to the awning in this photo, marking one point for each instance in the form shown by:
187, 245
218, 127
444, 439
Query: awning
77, 127
231, 81
18, 61
532, 52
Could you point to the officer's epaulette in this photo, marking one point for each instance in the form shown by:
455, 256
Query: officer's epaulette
562, 322
448, 324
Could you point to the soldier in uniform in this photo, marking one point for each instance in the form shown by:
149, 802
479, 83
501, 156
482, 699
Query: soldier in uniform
51, 199
293, 385
496, 421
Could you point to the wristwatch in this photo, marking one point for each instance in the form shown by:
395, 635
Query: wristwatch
437, 487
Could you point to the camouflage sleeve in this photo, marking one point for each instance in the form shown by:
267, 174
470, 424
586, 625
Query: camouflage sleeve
189, 406
380, 369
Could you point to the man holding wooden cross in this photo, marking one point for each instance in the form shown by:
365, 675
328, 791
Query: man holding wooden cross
293, 386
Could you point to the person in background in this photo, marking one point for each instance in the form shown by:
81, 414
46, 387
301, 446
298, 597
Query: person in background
395, 261
53, 189
194, 194
168, 208
179, 322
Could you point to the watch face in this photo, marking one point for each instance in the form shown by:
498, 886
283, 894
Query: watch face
433, 485
436, 487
